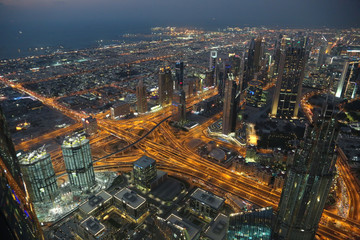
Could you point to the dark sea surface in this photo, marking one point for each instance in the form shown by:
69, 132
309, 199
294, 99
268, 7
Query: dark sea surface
21, 40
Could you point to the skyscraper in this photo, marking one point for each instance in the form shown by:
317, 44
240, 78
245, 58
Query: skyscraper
213, 60
321, 56
141, 97
308, 181
39, 175
179, 74
255, 55
230, 105
349, 81
179, 106
7, 151
289, 81
144, 171
17, 215
213, 66
78, 161
165, 86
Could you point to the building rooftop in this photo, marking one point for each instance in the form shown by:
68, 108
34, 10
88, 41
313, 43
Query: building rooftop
33, 157
119, 103
94, 202
144, 162
130, 198
75, 141
191, 229
218, 154
218, 228
93, 226
207, 198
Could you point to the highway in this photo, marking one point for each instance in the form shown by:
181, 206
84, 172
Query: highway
150, 134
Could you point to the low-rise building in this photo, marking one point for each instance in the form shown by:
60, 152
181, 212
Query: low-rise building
96, 204
120, 109
217, 229
205, 203
131, 204
91, 229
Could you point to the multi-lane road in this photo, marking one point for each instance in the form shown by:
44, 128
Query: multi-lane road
152, 136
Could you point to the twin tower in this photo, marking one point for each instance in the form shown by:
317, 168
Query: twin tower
39, 175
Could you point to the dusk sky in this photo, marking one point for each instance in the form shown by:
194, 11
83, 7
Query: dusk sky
28, 24
338, 13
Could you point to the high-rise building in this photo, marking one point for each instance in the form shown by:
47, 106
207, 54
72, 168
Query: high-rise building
255, 224
179, 106
209, 79
90, 125
144, 170
165, 86
141, 97
17, 216
7, 151
214, 66
287, 94
230, 105
255, 55
179, 74
321, 56
308, 180
38, 173
78, 161
254, 93
349, 81
213, 60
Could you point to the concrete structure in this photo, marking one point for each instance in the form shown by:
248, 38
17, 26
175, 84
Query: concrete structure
90, 125
96, 204
78, 161
120, 109
205, 203
39, 176
91, 229
141, 97
287, 94
165, 86
217, 229
130, 203
192, 231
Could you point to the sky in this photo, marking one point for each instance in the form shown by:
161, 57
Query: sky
26, 24
200, 13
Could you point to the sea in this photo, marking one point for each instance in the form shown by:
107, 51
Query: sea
30, 40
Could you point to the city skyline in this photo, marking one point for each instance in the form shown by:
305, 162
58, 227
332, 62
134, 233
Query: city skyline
184, 132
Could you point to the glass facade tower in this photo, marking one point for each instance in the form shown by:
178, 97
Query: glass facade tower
308, 181
17, 217
78, 161
39, 175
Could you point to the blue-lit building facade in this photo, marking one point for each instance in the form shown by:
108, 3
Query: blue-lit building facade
255, 225
17, 217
